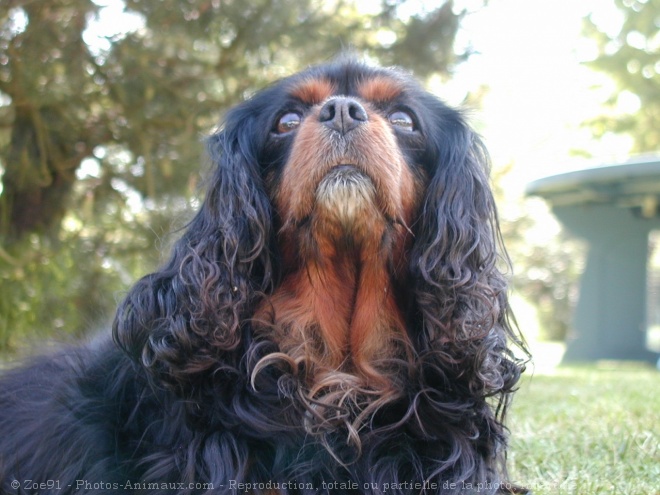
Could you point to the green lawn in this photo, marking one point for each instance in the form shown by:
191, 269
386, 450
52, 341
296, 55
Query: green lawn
591, 430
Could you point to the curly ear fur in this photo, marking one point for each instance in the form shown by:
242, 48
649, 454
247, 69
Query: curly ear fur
456, 253
461, 315
187, 317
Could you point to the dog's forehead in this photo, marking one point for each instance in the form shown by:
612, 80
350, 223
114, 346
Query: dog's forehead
315, 88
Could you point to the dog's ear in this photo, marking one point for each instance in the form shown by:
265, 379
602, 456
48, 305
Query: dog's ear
185, 318
458, 254
460, 322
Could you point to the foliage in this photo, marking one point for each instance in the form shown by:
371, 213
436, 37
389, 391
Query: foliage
631, 56
100, 139
547, 261
548, 273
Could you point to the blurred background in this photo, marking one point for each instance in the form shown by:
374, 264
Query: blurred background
104, 106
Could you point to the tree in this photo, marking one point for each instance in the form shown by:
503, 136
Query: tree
548, 274
631, 57
100, 145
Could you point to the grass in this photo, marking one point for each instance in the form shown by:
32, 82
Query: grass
587, 430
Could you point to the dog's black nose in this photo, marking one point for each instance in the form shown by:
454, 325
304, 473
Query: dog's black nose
343, 114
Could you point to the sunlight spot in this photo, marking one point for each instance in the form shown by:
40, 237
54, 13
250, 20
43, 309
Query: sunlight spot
628, 102
89, 167
636, 40
18, 21
386, 37
112, 22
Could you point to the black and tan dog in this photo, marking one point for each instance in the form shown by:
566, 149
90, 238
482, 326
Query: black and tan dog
333, 320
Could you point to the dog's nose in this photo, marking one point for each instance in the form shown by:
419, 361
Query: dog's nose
343, 114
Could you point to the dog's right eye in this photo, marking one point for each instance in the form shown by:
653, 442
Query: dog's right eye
402, 120
288, 122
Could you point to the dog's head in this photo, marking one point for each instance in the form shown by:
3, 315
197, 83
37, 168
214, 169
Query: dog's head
349, 238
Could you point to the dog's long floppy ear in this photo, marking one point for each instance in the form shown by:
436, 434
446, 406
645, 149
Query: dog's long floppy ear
460, 290
460, 324
182, 320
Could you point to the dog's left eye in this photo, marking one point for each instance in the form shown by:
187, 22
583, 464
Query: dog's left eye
402, 119
288, 122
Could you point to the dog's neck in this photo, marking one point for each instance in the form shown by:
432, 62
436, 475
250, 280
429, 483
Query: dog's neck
344, 266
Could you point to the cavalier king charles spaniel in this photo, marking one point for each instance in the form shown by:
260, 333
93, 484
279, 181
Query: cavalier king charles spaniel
333, 320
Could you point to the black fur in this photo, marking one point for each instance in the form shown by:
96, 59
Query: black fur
169, 405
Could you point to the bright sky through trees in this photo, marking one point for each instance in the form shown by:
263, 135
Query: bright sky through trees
528, 54
539, 94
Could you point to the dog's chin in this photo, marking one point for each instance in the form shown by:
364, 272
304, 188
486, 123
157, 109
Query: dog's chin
346, 194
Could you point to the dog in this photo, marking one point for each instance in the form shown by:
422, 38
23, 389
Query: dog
333, 320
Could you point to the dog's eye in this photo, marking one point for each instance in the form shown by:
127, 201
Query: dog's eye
402, 119
288, 122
